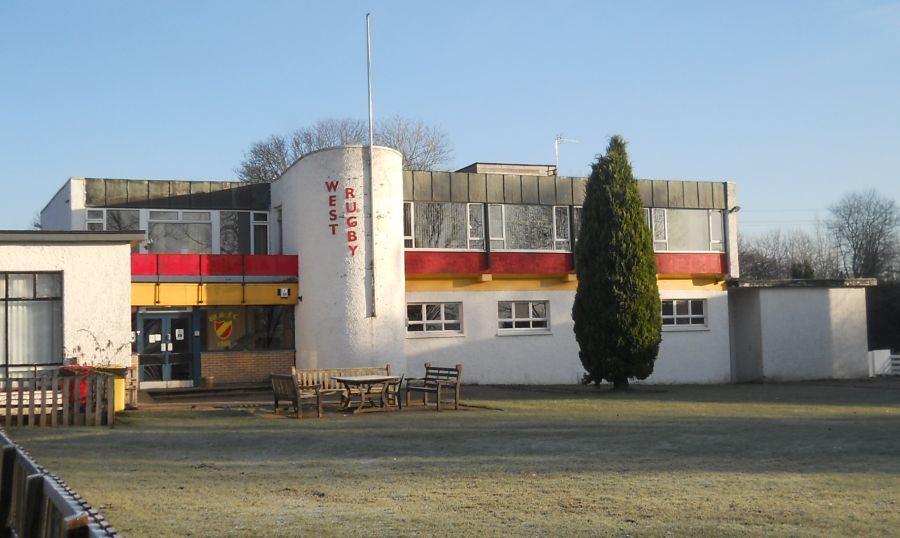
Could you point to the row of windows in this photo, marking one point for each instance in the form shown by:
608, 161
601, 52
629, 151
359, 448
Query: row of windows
189, 232
426, 225
534, 316
453, 225
450, 225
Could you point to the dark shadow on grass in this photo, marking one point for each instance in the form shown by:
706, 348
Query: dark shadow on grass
876, 392
483, 442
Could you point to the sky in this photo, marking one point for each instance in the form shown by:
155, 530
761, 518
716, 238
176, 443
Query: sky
797, 102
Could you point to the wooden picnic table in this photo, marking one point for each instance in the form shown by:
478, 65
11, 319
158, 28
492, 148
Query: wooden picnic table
371, 389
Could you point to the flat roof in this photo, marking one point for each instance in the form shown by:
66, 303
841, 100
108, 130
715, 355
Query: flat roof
69, 236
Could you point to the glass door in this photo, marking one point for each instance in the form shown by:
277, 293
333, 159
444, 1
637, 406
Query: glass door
166, 357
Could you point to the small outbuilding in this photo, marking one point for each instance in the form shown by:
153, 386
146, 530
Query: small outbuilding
64, 294
791, 330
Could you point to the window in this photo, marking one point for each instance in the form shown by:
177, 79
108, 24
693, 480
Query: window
234, 232
186, 232
660, 235
123, 220
408, 225
476, 226
528, 227
716, 231
439, 225
561, 240
496, 222
238, 328
529, 316
686, 230
271, 327
95, 220
684, 313
260, 233
30, 318
434, 318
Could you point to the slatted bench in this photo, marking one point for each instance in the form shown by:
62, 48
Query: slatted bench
287, 388
323, 378
437, 379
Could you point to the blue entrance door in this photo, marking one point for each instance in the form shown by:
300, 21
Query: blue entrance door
165, 350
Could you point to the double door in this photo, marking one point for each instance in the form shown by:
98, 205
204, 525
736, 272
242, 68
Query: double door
166, 350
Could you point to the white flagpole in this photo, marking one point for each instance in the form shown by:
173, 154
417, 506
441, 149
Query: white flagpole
371, 245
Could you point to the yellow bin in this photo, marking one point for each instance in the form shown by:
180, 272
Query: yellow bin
118, 374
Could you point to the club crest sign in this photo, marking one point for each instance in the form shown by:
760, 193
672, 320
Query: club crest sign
223, 327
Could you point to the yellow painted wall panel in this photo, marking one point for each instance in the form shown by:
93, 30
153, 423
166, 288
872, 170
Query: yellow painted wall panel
267, 294
143, 294
501, 283
178, 294
194, 294
222, 294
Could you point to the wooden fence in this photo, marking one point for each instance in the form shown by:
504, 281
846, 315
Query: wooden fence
34, 503
50, 399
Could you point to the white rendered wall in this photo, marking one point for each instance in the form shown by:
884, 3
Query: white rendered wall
685, 357
696, 356
796, 334
96, 295
746, 335
318, 195
815, 333
60, 213
489, 358
849, 335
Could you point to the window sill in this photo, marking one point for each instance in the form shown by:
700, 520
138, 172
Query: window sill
424, 334
524, 332
683, 328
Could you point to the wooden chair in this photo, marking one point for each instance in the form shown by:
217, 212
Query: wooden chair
286, 388
393, 393
437, 378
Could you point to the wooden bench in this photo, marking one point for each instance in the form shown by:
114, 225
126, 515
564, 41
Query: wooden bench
323, 378
287, 388
436, 380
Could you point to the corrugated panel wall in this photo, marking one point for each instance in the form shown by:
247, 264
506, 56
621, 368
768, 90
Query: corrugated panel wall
170, 194
423, 186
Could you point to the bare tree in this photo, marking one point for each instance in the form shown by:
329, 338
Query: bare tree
865, 227
423, 147
792, 254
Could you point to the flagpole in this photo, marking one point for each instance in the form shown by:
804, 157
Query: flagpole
371, 245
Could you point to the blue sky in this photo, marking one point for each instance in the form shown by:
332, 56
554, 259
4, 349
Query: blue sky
798, 102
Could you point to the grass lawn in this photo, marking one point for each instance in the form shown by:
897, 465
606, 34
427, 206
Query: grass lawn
739, 460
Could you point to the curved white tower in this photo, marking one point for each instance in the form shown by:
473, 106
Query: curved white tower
348, 232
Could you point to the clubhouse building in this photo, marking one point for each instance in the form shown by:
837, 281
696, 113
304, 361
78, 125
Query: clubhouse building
351, 261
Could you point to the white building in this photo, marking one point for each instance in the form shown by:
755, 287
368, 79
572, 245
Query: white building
472, 267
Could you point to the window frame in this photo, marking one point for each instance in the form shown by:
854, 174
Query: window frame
430, 333
675, 316
479, 207
531, 330
493, 229
557, 240
409, 240
5, 300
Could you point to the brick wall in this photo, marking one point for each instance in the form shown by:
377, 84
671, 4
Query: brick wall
245, 366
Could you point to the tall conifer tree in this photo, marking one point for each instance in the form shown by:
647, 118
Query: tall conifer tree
617, 307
